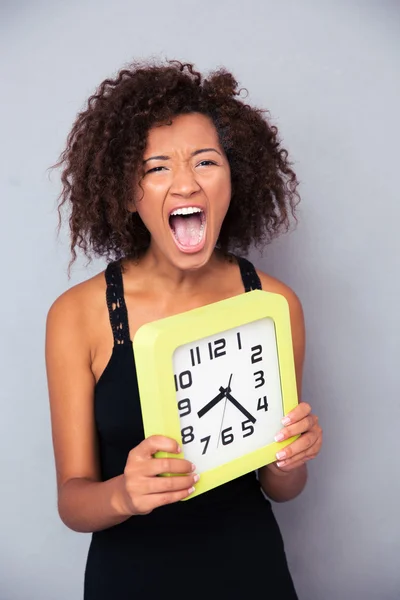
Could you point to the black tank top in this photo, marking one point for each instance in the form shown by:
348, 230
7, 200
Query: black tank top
224, 542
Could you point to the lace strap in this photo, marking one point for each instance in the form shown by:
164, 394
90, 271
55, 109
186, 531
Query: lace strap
251, 280
116, 303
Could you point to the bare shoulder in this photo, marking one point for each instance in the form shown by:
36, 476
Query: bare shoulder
77, 307
271, 284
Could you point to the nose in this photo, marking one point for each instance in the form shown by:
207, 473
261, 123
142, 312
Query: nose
184, 182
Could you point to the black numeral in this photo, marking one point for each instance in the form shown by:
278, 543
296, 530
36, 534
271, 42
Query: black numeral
184, 407
262, 403
256, 356
227, 436
187, 435
183, 381
205, 440
195, 356
259, 375
216, 349
247, 428
239, 340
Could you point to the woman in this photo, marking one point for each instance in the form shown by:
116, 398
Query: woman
156, 139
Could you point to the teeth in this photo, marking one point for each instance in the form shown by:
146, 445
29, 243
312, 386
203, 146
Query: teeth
187, 210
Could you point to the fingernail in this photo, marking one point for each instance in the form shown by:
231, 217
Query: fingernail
280, 454
281, 463
193, 467
285, 420
279, 437
196, 478
191, 490
178, 450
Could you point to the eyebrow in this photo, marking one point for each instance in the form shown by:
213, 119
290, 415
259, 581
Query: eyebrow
195, 153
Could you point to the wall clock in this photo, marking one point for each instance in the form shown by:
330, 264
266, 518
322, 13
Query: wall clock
218, 379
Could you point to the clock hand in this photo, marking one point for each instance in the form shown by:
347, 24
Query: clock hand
213, 402
240, 407
222, 421
227, 389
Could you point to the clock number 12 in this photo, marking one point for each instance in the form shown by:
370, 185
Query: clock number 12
217, 348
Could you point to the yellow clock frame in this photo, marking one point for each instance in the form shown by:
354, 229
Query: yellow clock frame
155, 343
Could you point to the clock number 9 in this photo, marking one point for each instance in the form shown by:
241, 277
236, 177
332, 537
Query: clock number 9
184, 407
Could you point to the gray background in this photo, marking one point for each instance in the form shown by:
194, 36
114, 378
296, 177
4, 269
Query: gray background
329, 73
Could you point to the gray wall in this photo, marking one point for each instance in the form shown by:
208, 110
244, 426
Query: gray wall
329, 73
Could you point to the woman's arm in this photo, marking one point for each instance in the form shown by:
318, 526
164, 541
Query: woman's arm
86, 503
278, 484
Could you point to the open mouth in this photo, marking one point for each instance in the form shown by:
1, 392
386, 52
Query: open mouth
188, 227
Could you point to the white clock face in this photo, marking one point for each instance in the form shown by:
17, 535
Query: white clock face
228, 393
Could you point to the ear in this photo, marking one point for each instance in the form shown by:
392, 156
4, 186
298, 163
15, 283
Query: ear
132, 206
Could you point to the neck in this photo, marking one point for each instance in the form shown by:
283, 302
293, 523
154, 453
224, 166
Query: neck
169, 278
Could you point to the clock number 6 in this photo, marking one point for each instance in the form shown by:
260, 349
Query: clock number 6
226, 436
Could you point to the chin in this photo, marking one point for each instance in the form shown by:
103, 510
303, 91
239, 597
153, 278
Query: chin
191, 261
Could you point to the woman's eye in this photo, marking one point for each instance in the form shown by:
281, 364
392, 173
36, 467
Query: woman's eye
155, 170
205, 163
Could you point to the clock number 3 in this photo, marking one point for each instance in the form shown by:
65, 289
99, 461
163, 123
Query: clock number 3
260, 379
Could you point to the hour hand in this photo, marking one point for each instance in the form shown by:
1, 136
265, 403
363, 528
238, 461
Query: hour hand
214, 401
240, 407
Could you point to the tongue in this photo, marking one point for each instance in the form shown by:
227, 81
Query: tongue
187, 229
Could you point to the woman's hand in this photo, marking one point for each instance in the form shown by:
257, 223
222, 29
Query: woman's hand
299, 421
143, 489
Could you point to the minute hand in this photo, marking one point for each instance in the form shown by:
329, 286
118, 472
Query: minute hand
240, 407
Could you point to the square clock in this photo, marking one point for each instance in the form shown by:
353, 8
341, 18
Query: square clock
218, 379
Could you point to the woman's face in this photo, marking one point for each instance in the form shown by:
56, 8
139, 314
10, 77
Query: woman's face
185, 191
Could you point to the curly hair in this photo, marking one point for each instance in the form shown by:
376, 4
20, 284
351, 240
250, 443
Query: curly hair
104, 152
